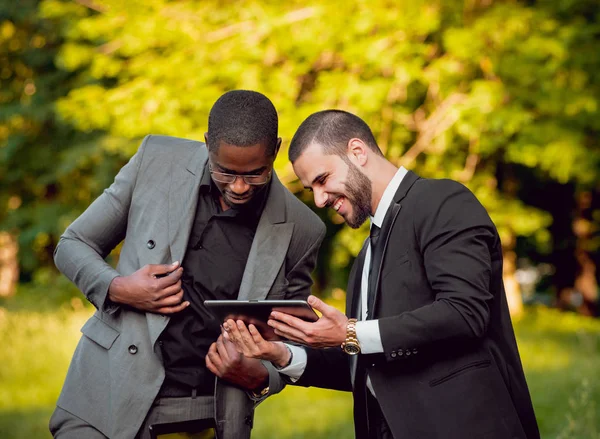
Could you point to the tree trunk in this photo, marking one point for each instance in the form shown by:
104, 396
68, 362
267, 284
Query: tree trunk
586, 285
511, 286
9, 265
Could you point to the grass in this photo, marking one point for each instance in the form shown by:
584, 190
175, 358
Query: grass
560, 353
561, 358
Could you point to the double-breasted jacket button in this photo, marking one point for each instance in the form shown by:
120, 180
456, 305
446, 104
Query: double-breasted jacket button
393, 354
133, 349
150, 244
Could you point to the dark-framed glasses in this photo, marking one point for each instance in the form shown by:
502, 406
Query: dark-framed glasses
255, 180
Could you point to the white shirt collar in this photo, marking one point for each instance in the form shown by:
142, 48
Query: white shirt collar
388, 196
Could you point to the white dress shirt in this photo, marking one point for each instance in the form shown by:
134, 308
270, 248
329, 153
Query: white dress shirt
367, 331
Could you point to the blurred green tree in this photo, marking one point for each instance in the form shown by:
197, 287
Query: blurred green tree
48, 168
500, 95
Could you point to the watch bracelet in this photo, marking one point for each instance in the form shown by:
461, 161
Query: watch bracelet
350, 333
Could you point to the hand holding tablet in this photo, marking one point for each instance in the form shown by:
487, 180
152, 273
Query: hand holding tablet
257, 312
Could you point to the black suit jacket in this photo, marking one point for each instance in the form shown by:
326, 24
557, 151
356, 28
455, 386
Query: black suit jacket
450, 367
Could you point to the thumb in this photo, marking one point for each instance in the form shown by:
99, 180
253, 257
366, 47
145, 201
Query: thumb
161, 270
318, 304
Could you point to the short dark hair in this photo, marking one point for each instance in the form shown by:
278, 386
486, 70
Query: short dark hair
242, 118
332, 129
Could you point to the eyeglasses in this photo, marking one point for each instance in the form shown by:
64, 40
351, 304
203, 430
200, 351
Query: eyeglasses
255, 180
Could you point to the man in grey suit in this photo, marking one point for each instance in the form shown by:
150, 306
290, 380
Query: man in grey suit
152, 353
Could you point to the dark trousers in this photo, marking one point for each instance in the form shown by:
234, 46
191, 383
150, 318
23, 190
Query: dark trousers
378, 427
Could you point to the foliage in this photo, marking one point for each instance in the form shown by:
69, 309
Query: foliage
491, 93
49, 170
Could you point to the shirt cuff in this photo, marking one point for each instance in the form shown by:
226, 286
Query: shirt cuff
296, 368
367, 333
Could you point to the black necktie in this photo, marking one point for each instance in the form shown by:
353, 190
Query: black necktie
373, 237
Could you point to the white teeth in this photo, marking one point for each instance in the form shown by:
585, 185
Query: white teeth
338, 204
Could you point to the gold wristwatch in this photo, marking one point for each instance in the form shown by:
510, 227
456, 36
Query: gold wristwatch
351, 346
261, 393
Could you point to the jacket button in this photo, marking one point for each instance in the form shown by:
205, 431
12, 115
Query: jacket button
415, 351
407, 353
400, 352
150, 244
393, 354
133, 349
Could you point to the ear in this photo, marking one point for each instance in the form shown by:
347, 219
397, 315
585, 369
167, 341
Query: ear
277, 146
358, 151
206, 139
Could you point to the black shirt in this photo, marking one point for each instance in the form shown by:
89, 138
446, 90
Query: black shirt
213, 267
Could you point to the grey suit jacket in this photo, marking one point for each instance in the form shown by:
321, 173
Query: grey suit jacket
117, 371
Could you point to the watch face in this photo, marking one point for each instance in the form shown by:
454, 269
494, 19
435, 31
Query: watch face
351, 348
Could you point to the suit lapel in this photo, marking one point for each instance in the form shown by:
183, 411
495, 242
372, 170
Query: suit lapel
269, 247
183, 200
353, 298
378, 253
186, 174
354, 283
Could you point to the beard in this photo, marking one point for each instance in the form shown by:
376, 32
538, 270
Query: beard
255, 198
358, 190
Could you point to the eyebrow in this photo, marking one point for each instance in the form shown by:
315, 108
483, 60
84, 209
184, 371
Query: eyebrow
232, 172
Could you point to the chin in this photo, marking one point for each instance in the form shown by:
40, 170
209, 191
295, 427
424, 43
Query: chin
354, 225
236, 203
233, 202
355, 221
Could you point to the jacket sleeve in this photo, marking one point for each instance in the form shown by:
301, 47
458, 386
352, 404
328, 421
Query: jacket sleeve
82, 248
455, 238
326, 368
276, 384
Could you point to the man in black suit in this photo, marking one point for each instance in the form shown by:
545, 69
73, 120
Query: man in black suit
427, 345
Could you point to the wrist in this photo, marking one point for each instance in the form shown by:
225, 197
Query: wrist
262, 389
344, 330
284, 359
115, 289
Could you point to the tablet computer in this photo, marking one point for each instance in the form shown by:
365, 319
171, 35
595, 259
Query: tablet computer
257, 312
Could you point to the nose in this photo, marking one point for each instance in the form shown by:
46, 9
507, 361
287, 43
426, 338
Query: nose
320, 197
239, 186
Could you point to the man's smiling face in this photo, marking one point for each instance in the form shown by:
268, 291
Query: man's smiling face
336, 182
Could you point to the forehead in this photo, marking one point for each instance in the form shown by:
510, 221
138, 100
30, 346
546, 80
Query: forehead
241, 158
313, 162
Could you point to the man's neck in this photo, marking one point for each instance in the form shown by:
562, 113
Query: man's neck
380, 181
